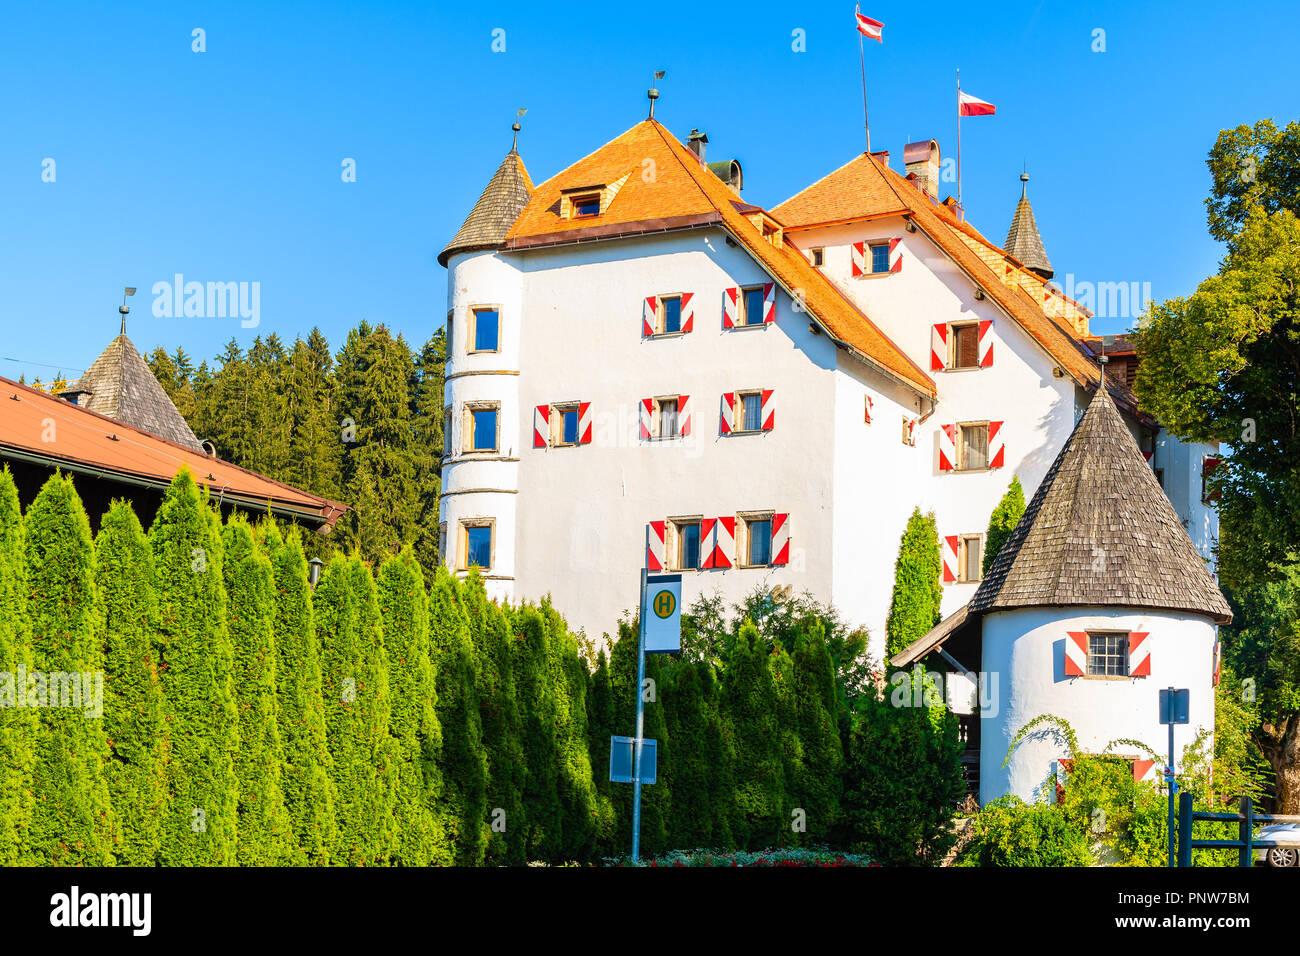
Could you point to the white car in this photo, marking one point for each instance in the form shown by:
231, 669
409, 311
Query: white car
1279, 855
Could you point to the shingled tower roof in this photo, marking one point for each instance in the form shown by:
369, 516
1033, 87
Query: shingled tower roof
1100, 532
495, 212
120, 385
1023, 241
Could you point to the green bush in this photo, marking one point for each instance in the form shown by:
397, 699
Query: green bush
918, 593
750, 708
1010, 832
1003, 521
17, 724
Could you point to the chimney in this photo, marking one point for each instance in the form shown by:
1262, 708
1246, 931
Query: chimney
921, 160
697, 142
882, 156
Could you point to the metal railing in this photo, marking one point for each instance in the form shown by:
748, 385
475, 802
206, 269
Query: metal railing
1246, 820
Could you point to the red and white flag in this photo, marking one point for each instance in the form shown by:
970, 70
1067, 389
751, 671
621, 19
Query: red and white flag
968, 105
869, 27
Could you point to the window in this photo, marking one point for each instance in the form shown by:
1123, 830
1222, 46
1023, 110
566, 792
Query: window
446, 431
487, 328
442, 541
688, 545
668, 425
974, 452
481, 421
758, 541
1108, 654
818, 257
477, 536
751, 411
880, 257
588, 204
972, 557
965, 350
564, 424
451, 314
751, 306
1160, 476
670, 314
1208, 464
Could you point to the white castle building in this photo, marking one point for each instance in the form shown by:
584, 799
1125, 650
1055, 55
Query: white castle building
643, 369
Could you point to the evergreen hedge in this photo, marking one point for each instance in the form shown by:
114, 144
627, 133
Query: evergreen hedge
17, 724
1003, 521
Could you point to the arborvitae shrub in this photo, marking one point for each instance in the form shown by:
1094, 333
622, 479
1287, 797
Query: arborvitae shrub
195, 663
600, 727
354, 673
1003, 521
817, 789
502, 728
749, 705
417, 735
464, 763
721, 757
17, 724
133, 703
265, 832
781, 664
577, 789
918, 591
72, 823
537, 711
690, 773
306, 780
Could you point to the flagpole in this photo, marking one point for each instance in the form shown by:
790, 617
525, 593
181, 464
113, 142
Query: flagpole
959, 202
862, 60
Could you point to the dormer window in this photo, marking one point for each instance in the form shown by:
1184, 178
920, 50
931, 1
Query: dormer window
586, 205
588, 202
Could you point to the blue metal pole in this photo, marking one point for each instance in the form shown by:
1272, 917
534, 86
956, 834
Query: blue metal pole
1173, 783
640, 727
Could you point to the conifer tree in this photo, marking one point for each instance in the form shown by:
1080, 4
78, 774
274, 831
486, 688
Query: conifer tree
577, 789
816, 789
600, 727
265, 831
1003, 521
721, 756
918, 592
72, 822
464, 763
417, 735
307, 779
750, 706
354, 672
536, 695
17, 724
133, 703
690, 773
196, 660
502, 727
793, 812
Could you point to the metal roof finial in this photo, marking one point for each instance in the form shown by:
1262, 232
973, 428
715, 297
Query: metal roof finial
652, 93
519, 114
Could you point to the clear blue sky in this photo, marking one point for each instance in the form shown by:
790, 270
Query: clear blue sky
225, 165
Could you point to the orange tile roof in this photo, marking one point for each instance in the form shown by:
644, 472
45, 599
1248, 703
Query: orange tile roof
682, 193
87, 441
865, 188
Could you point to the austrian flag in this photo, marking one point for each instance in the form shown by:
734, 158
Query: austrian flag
869, 27
968, 105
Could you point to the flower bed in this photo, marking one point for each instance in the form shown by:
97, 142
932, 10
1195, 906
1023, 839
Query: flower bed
779, 857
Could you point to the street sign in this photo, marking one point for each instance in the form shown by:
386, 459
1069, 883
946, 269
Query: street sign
1174, 706
622, 760
661, 610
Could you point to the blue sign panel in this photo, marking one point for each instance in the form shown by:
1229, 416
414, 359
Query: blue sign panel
1175, 706
622, 757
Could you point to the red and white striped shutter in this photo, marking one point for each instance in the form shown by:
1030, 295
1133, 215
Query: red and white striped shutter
729, 307
866, 409
1148, 455
1141, 768
858, 258
654, 550
895, 255
769, 302
649, 315
1218, 661
688, 312
939, 347
947, 447
1076, 653
584, 423
768, 413
708, 541
780, 539
541, 426
725, 541
951, 547
997, 450
1139, 654
728, 413
986, 344
684, 414
647, 416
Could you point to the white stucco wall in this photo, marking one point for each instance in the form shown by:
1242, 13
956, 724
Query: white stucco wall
1024, 651
1182, 464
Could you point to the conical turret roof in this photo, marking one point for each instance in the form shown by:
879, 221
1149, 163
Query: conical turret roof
495, 212
1023, 241
121, 385
1100, 532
